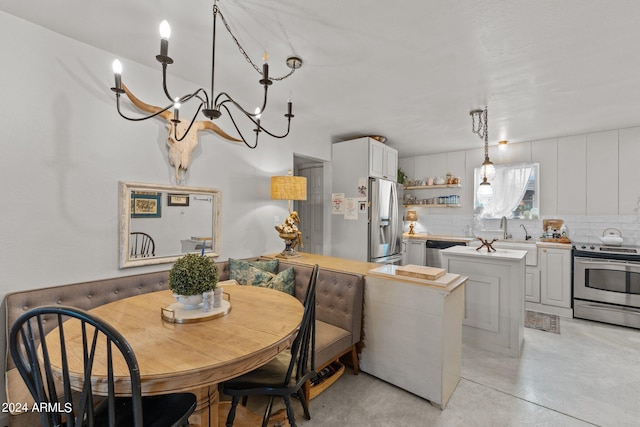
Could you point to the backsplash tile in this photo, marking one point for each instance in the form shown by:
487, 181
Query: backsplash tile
580, 228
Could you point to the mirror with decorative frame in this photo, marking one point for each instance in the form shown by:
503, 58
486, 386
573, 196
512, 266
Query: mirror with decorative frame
160, 223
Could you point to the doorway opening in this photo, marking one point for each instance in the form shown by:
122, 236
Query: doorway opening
311, 210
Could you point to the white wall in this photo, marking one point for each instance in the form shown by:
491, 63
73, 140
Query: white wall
65, 148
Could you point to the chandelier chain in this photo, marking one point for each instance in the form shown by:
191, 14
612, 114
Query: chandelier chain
244, 52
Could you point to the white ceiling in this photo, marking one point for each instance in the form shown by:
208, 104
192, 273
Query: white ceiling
410, 70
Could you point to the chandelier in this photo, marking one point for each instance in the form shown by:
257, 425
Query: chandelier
488, 171
211, 107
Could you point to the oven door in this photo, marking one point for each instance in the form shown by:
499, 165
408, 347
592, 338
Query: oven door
605, 280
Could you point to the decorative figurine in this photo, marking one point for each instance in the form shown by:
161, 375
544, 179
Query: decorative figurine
487, 244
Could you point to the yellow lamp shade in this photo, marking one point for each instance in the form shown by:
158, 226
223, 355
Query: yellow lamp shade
412, 216
288, 188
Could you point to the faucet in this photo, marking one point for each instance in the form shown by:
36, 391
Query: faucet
526, 233
503, 225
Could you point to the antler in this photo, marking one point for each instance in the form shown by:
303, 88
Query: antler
167, 115
206, 124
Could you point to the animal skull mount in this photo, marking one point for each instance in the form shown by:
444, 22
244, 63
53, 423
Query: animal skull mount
179, 151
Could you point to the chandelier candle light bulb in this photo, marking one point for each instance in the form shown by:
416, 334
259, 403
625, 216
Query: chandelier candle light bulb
176, 110
117, 73
165, 33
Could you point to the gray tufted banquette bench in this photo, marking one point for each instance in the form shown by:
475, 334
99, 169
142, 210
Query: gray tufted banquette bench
339, 298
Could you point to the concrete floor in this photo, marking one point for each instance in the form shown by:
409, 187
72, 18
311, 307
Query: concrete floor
587, 375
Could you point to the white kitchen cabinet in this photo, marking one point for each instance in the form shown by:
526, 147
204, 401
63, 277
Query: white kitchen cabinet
416, 252
572, 170
602, 155
555, 277
628, 171
532, 284
383, 161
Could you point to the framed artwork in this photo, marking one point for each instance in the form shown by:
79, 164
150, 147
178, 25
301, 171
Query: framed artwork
145, 204
178, 200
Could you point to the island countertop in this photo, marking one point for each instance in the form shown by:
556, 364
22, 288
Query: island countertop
388, 271
500, 253
441, 237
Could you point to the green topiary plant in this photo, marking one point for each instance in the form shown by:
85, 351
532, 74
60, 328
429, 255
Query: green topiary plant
193, 274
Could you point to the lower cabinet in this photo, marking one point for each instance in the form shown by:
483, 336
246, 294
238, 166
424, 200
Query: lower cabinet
532, 284
555, 283
416, 252
548, 285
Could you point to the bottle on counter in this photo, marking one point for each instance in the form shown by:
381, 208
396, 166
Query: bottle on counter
563, 231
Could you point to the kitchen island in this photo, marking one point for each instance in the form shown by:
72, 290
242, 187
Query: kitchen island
413, 332
494, 297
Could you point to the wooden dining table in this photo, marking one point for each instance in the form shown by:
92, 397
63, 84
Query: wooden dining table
195, 357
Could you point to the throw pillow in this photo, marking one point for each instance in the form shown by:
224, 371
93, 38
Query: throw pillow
285, 281
255, 277
238, 269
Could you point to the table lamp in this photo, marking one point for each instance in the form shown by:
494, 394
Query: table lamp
412, 216
289, 188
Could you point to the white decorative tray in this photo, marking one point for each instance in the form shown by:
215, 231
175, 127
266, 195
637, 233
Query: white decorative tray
176, 313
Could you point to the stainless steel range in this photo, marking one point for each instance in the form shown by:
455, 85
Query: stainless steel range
606, 284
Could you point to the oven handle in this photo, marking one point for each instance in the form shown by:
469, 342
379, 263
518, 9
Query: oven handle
607, 262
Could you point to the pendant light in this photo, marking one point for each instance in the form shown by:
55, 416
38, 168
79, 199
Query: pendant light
488, 171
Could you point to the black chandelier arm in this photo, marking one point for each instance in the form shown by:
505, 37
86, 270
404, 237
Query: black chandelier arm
228, 98
164, 82
183, 98
139, 119
196, 94
263, 129
193, 120
238, 129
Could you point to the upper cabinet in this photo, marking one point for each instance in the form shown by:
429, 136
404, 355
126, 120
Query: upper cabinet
383, 161
602, 173
628, 171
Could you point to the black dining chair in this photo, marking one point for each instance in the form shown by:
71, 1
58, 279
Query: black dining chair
53, 391
286, 375
141, 245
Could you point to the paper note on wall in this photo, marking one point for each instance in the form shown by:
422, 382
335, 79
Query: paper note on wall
351, 208
337, 203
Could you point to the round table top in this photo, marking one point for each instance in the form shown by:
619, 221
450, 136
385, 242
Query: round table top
175, 357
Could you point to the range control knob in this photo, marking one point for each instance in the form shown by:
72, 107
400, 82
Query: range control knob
592, 247
583, 247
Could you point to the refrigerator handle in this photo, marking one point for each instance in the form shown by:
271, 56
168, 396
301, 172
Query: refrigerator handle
394, 220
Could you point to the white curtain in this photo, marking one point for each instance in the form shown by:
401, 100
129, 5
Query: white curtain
508, 187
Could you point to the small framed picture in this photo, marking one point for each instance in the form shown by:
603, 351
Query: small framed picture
145, 204
178, 200
362, 206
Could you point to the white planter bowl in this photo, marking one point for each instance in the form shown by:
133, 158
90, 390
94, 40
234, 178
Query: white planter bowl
190, 302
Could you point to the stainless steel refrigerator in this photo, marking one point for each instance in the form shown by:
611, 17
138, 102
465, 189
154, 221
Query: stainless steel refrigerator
377, 235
